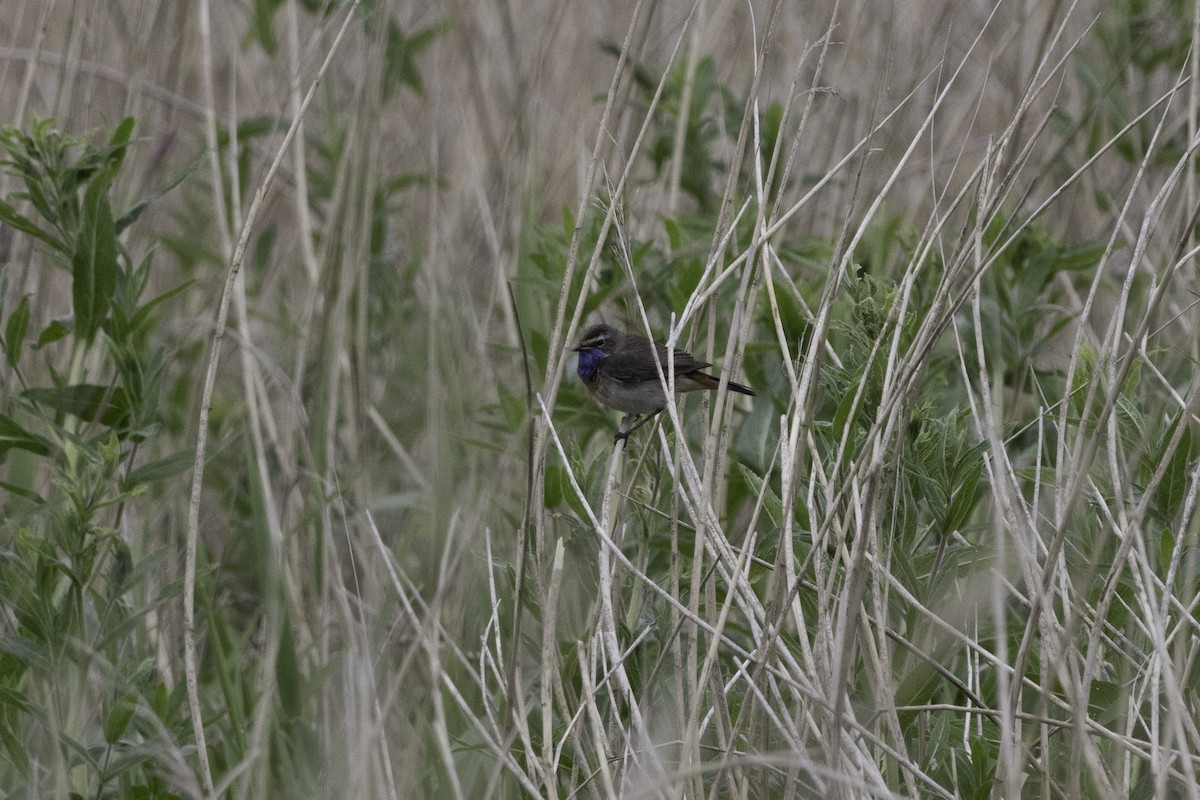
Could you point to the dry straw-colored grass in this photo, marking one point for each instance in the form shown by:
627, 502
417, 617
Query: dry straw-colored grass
385, 521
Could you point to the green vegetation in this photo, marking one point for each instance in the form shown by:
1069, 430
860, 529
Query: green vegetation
299, 496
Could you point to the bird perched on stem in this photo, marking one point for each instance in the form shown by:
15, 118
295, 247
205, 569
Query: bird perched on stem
620, 371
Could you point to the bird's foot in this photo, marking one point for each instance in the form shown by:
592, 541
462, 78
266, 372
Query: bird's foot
626, 427
635, 421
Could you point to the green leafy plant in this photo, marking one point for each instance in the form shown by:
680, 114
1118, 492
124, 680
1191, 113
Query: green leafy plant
74, 437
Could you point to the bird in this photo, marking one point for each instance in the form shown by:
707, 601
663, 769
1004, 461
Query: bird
620, 371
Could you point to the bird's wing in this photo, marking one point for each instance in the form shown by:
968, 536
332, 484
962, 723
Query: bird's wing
639, 364
684, 362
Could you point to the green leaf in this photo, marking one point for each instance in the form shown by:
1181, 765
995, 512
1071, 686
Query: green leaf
400, 68
15, 330
119, 717
772, 504
977, 773
10, 217
119, 142
263, 19
966, 492
288, 680
94, 264
673, 231
256, 127
554, 479
36, 194
131, 215
162, 469
87, 401
1171, 491
841, 417
13, 436
568, 223
59, 329
1166, 549
142, 315
685, 274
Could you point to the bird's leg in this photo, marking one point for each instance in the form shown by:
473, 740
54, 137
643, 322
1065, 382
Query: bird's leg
623, 435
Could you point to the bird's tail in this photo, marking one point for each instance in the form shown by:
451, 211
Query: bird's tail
740, 389
710, 382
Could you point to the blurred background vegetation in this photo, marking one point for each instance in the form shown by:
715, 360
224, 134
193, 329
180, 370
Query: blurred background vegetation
949, 550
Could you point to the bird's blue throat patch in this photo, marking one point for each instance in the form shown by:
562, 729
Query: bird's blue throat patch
589, 363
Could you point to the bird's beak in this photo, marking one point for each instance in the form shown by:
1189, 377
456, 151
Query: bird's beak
577, 348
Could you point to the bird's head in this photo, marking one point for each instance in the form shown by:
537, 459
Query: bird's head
598, 342
604, 338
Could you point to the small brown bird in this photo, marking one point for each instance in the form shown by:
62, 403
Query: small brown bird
620, 371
